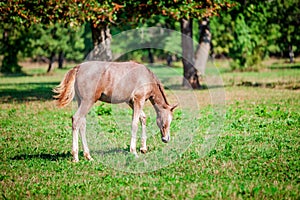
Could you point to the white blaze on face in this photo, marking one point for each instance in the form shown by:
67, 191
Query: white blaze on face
164, 124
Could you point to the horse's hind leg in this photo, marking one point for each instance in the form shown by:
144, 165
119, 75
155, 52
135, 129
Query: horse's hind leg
79, 122
86, 151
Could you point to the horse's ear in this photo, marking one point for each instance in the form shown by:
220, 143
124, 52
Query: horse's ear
173, 107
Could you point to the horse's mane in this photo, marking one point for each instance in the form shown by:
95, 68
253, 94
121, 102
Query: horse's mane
159, 85
162, 91
161, 88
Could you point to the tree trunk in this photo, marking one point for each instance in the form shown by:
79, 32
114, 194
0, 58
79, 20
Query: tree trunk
291, 54
60, 60
51, 61
189, 72
101, 40
169, 60
150, 56
204, 46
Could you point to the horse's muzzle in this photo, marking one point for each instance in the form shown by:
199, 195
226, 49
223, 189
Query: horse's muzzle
165, 139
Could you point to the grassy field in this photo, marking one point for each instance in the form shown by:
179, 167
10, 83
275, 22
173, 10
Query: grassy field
256, 155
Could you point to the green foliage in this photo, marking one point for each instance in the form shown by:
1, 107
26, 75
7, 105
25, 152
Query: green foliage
108, 11
242, 31
9, 64
103, 109
251, 32
12, 43
57, 15
57, 38
47, 12
144, 36
221, 30
286, 15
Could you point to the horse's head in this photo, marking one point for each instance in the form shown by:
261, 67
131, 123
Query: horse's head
163, 120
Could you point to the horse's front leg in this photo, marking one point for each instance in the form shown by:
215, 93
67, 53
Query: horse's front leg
143, 148
135, 120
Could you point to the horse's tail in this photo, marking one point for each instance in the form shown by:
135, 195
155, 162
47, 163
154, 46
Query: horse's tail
65, 91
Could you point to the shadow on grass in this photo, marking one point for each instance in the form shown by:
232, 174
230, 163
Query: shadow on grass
22, 92
112, 151
202, 87
273, 85
44, 156
285, 66
19, 74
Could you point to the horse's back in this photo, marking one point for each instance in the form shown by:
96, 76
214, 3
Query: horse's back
117, 68
113, 81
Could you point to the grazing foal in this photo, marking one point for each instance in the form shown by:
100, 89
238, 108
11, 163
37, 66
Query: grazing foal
114, 82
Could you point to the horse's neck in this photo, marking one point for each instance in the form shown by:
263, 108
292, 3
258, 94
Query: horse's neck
158, 99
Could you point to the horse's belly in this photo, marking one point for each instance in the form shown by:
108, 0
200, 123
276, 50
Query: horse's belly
114, 98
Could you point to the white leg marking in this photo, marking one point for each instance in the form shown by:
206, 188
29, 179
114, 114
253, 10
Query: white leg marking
86, 151
143, 148
133, 136
137, 108
79, 122
75, 139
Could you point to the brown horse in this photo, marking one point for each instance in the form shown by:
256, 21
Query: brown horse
114, 82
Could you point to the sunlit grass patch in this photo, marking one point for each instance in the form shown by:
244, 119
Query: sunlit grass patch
255, 154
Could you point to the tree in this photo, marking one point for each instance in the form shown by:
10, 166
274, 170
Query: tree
286, 15
101, 40
185, 11
12, 42
56, 39
102, 14
12, 39
254, 30
190, 72
204, 45
26, 13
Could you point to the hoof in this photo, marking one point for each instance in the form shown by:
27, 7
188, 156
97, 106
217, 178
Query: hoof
88, 157
75, 160
135, 155
143, 151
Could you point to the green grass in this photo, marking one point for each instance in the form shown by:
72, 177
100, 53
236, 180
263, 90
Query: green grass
256, 155
277, 75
